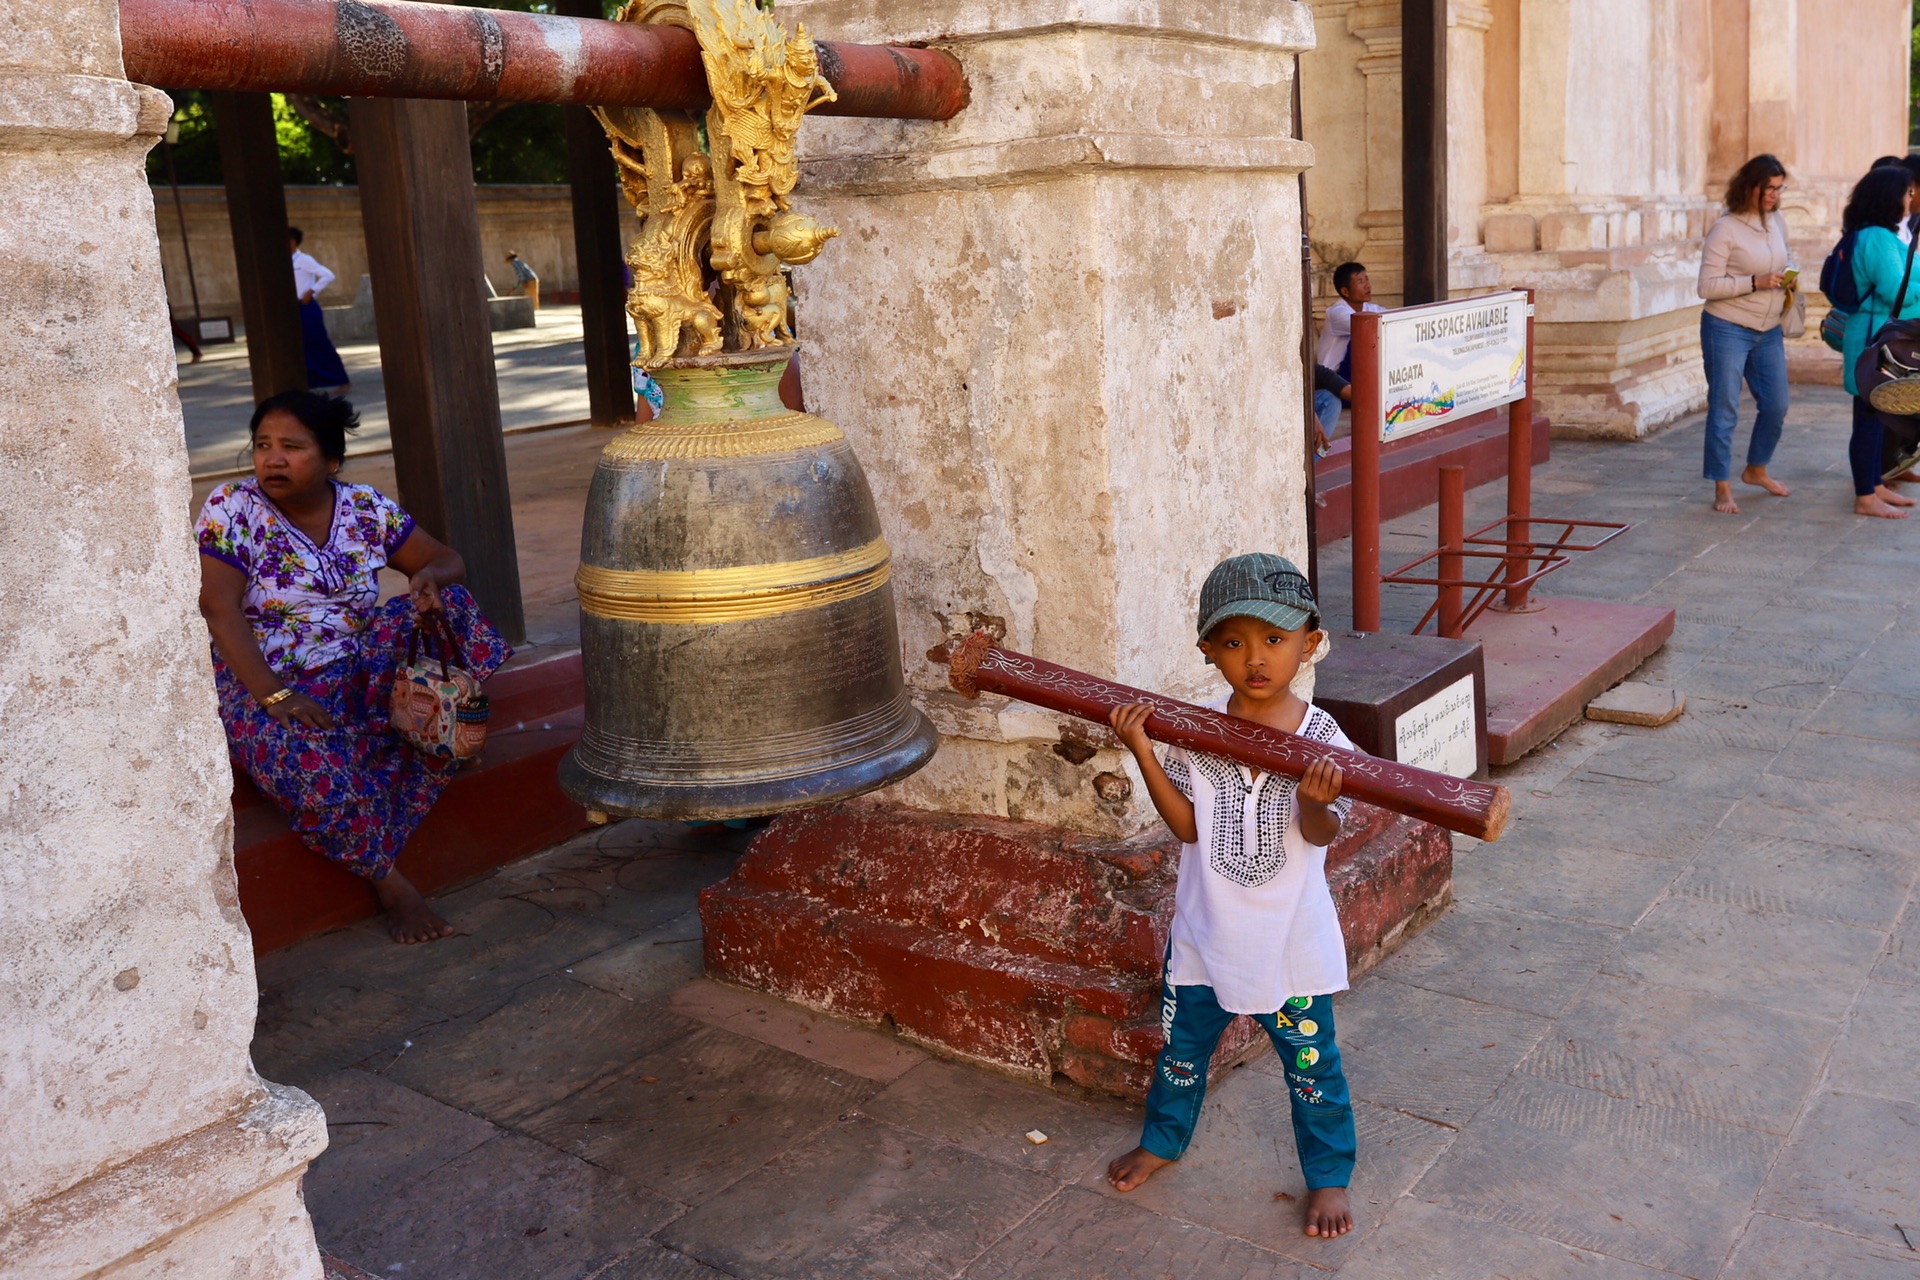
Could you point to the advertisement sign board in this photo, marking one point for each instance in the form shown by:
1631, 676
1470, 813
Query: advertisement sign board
1443, 362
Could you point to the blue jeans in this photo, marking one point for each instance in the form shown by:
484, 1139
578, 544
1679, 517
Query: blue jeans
1732, 353
1326, 407
1302, 1034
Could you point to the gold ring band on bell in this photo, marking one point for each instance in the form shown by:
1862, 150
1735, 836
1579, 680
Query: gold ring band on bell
691, 596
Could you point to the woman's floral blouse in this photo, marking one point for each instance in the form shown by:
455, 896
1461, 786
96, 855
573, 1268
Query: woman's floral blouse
306, 602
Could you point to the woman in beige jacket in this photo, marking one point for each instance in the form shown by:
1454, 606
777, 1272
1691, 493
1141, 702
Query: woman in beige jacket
1742, 277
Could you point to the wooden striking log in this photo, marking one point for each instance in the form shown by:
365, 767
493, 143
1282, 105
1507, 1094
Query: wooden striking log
1477, 809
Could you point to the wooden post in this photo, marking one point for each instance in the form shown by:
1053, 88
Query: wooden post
1453, 536
597, 249
436, 345
257, 211
1368, 414
1423, 148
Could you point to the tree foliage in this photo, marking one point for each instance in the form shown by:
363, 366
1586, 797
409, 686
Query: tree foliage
512, 142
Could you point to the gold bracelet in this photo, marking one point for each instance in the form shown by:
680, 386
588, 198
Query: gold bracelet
275, 698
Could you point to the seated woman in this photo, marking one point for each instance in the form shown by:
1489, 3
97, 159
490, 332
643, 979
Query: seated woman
304, 653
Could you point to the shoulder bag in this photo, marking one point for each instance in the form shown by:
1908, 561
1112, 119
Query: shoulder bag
1793, 314
437, 707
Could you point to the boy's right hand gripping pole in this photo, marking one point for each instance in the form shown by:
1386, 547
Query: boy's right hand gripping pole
1477, 809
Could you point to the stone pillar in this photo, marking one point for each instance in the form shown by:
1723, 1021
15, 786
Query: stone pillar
1469, 272
1061, 332
1826, 146
1376, 24
138, 1139
1606, 235
1352, 102
1772, 60
1058, 330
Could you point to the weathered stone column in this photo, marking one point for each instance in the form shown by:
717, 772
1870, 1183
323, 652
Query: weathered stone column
1352, 103
1059, 331
138, 1139
1062, 332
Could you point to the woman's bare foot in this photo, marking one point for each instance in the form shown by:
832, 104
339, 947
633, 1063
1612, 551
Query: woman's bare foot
1892, 497
1134, 1168
1723, 498
1758, 476
409, 918
1329, 1212
1870, 505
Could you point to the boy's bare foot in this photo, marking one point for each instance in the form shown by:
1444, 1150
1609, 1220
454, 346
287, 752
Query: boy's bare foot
1870, 505
409, 918
1329, 1212
1758, 476
1134, 1168
1892, 497
1723, 498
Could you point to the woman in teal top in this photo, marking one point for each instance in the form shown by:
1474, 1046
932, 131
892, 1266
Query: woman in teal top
1878, 204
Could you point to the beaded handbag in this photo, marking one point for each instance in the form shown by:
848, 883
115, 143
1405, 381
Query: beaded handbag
437, 706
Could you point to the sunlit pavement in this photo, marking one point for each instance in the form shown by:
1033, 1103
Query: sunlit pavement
1670, 1027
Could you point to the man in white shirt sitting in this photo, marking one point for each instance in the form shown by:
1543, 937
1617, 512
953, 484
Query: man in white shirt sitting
1356, 294
324, 370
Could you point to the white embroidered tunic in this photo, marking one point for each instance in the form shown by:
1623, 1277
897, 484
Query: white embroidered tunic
1253, 917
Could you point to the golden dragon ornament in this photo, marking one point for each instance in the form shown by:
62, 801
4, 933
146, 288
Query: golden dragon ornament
718, 228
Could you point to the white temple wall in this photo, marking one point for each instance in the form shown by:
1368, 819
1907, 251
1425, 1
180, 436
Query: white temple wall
131, 1111
1590, 143
1059, 332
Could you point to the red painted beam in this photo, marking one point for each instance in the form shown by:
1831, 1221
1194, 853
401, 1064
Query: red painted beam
399, 49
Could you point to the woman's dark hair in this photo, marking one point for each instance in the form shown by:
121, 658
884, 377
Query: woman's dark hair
328, 419
1883, 162
1747, 181
1878, 200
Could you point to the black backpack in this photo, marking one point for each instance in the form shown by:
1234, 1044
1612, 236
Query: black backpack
1836, 277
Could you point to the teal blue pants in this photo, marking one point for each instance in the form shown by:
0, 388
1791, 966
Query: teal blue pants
1302, 1034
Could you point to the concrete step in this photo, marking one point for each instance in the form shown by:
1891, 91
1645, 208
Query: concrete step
1010, 943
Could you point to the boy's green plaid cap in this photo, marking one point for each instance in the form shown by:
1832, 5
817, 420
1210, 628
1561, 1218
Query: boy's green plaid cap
1261, 585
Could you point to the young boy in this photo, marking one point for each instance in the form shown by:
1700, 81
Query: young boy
1355, 287
1254, 928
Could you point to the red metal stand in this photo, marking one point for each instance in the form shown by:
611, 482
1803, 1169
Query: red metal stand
1453, 524
1545, 659
1368, 413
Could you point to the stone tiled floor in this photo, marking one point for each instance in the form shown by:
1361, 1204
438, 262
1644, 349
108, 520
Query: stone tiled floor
1671, 1027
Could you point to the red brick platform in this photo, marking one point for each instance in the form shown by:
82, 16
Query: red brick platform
1024, 947
500, 810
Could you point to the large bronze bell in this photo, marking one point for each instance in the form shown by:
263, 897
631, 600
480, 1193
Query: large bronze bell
736, 620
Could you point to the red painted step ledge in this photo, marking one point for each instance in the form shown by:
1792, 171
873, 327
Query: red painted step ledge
1019, 946
499, 810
